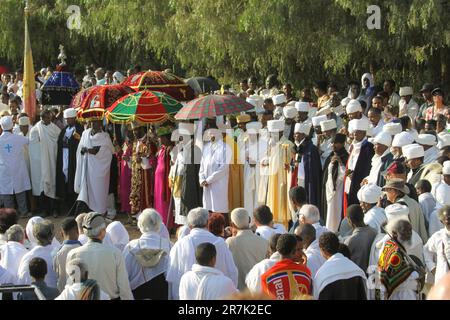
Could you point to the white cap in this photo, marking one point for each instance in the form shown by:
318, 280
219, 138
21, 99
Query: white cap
444, 141
426, 139
24, 121
402, 139
345, 101
443, 194
253, 127
185, 128
6, 123
406, 91
70, 113
302, 106
304, 128
397, 211
446, 168
279, 99
353, 106
324, 111
328, 125
358, 124
275, 125
392, 128
383, 138
413, 151
290, 112
370, 193
317, 120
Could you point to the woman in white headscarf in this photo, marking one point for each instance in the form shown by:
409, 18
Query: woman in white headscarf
32, 241
118, 234
147, 259
118, 77
367, 89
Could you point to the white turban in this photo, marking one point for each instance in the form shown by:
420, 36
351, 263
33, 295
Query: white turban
406, 91
70, 113
6, 123
370, 193
413, 151
328, 125
302, 106
279, 99
304, 128
402, 139
426, 139
317, 120
446, 168
353, 106
443, 194
383, 138
397, 211
392, 128
290, 112
275, 125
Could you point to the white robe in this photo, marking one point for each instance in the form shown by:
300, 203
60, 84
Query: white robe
137, 275
379, 128
267, 232
93, 171
431, 155
375, 218
255, 151
214, 169
43, 151
434, 224
182, 258
205, 283
72, 291
427, 203
334, 198
437, 252
118, 234
253, 278
46, 253
335, 268
14, 176
11, 254
315, 258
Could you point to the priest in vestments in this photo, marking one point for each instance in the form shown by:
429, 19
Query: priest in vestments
66, 163
280, 154
191, 193
359, 161
143, 163
162, 192
124, 157
333, 184
43, 150
306, 166
255, 148
94, 156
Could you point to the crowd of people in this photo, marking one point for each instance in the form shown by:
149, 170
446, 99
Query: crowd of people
328, 196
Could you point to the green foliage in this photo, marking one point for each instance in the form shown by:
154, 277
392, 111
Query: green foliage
302, 41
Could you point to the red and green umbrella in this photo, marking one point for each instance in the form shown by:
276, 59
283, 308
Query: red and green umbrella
163, 82
99, 99
212, 106
143, 107
80, 97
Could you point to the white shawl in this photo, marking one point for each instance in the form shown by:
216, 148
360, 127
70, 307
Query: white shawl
335, 268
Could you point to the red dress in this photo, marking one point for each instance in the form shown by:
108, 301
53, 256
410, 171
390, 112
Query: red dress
162, 194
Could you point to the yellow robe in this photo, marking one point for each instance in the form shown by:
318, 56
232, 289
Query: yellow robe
279, 181
236, 178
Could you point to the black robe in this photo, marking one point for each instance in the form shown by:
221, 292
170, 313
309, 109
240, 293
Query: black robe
64, 190
362, 170
191, 195
349, 289
313, 171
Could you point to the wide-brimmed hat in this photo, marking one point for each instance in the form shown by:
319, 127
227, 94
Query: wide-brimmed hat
397, 184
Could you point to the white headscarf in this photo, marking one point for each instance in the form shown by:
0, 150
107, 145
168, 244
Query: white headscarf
118, 234
118, 77
31, 238
368, 76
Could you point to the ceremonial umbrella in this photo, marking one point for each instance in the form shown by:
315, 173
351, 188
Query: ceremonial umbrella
149, 107
212, 106
78, 99
163, 82
100, 98
59, 89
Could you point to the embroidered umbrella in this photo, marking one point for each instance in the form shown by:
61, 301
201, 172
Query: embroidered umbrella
163, 82
100, 98
212, 106
149, 107
78, 99
59, 89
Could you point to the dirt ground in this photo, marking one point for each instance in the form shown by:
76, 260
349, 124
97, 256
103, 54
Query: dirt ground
133, 231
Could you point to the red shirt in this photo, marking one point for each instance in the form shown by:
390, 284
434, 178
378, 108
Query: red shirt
287, 280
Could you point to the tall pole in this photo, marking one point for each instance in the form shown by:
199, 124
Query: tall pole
29, 83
